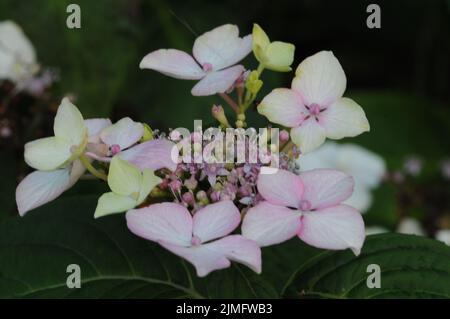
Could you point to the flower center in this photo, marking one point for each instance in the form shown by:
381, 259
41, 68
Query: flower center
207, 67
195, 241
305, 205
115, 149
314, 109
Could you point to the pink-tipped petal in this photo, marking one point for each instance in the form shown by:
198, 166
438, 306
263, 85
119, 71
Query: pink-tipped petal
338, 227
168, 222
204, 259
153, 154
41, 187
326, 187
283, 106
269, 224
240, 249
281, 188
221, 47
174, 63
320, 79
217, 255
217, 81
216, 220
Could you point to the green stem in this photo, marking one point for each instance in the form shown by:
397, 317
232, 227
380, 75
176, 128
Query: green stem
92, 169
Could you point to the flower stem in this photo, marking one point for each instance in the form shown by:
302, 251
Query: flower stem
230, 101
92, 169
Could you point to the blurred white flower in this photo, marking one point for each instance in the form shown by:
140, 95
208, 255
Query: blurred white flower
374, 230
17, 55
413, 165
443, 235
410, 226
366, 167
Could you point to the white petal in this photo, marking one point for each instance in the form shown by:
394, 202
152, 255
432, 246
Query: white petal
217, 81
222, 47
124, 133
323, 157
217, 255
344, 118
361, 198
39, 188
168, 222
410, 226
216, 220
338, 227
69, 123
320, 79
174, 63
17, 54
47, 154
308, 136
111, 203
269, 224
283, 106
444, 236
326, 187
365, 166
94, 127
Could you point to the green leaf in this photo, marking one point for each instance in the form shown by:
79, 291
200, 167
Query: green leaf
411, 267
35, 251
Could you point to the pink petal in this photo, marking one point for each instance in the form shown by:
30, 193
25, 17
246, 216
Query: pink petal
217, 81
174, 63
326, 187
269, 224
216, 220
222, 47
153, 154
338, 227
168, 222
281, 188
217, 255
284, 107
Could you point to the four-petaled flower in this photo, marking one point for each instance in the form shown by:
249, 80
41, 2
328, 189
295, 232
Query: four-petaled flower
172, 226
216, 51
308, 206
314, 107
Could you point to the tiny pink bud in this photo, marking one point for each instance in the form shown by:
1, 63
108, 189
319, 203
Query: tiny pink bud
175, 185
115, 149
175, 135
188, 198
284, 136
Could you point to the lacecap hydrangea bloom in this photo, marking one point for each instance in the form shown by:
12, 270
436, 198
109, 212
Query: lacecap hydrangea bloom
214, 212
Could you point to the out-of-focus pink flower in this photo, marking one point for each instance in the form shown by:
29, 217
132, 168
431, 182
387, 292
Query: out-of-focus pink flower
308, 206
193, 238
215, 53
